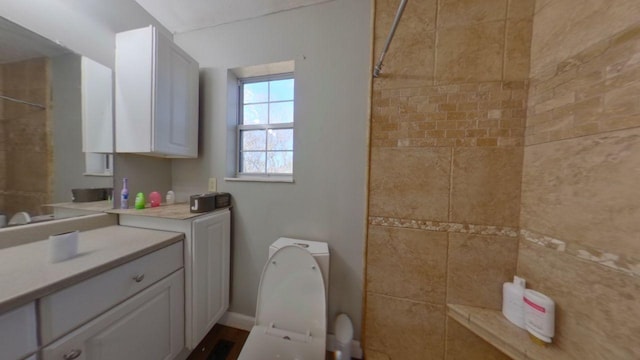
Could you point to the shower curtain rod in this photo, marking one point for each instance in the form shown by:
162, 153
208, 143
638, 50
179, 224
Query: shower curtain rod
22, 102
378, 68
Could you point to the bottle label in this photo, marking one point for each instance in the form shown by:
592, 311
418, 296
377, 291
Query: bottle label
534, 305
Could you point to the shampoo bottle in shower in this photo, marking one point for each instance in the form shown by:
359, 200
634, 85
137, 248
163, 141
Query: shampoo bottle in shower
124, 195
512, 301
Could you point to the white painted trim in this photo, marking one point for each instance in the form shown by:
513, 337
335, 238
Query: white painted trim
237, 320
245, 322
268, 179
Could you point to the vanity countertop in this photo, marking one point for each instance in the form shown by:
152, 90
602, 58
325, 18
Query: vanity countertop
175, 211
97, 206
26, 273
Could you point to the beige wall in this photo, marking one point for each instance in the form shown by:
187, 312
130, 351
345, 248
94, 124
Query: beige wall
26, 152
447, 134
580, 194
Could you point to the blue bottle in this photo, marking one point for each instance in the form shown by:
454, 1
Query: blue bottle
124, 195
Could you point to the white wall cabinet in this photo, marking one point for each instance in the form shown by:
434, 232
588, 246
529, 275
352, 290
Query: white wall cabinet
18, 336
97, 107
207, 262
156, 96
149, 326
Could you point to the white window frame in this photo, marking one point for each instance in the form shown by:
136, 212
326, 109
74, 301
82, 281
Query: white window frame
241, 127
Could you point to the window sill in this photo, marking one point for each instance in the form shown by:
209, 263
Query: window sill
98, 174
267, 179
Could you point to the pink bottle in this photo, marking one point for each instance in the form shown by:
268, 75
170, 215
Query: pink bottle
155, 198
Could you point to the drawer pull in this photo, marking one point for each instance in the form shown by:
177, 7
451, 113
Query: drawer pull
73, 354
138, 278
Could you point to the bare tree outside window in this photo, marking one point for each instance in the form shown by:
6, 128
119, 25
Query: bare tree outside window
265, 129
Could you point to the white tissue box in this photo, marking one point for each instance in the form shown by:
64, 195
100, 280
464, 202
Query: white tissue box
63, 246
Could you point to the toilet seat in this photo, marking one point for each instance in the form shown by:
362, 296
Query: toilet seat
291, 311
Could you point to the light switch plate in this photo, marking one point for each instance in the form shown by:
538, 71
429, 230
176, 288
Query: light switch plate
213, 186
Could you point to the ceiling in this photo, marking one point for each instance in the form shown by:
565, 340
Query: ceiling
186, 15
17, 43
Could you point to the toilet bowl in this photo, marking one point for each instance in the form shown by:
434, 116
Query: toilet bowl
291, 311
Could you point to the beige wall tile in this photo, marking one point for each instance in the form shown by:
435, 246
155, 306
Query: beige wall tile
407, 263
375, 355
597, 309
486, 185
585, 190
27, 133
27, 171
29, 202
467, 12
14, 76
470, 53
462, 344
404, 329
521, 9
410, 183
517, 49
478, 265
557, 36
409, 60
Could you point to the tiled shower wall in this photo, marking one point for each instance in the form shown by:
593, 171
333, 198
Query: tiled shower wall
580, 190
447, 136
26, 154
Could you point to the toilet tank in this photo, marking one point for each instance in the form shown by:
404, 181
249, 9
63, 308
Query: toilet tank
319, 251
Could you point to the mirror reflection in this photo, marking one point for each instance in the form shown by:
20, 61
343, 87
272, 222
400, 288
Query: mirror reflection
55, 126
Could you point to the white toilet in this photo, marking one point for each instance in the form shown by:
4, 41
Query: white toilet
291, 316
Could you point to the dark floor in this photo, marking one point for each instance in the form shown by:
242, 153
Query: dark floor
218, 333
223, 340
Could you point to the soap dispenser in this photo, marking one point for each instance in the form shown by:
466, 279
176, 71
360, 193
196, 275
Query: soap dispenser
512, 301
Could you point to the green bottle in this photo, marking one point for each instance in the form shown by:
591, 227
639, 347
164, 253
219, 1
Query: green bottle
140, 202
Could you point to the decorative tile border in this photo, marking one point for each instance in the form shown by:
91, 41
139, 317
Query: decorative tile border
444, 226
626, 264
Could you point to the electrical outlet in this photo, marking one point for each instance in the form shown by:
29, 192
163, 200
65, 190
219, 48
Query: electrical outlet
213, 185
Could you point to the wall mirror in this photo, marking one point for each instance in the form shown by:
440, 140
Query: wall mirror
56, 125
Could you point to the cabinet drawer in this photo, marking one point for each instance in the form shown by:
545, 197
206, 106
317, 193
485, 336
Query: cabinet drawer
67, 309
18, 332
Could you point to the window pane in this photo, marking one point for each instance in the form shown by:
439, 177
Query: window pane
280, 162
255, 114
281, 90
255, 92
253, 162
253, 140
281, 112
280, 139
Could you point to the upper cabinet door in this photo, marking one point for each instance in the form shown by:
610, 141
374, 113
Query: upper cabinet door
97, 107
176, 101
156, 96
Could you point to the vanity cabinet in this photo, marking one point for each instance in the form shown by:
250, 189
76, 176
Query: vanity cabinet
62, 311
156, 96
207, 261
147, 326
18, 336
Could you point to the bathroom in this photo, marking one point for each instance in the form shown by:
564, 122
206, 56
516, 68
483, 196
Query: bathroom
501, 138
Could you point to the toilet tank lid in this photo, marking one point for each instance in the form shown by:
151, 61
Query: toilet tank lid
314, 247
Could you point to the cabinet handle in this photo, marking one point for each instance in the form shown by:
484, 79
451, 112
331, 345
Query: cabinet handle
73, 354
138, 278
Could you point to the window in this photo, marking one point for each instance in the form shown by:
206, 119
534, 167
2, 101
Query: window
265, 125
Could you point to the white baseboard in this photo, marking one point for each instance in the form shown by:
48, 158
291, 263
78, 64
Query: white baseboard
237, 320
245, 322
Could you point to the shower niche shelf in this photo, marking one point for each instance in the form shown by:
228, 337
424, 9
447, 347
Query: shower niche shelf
495, 329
